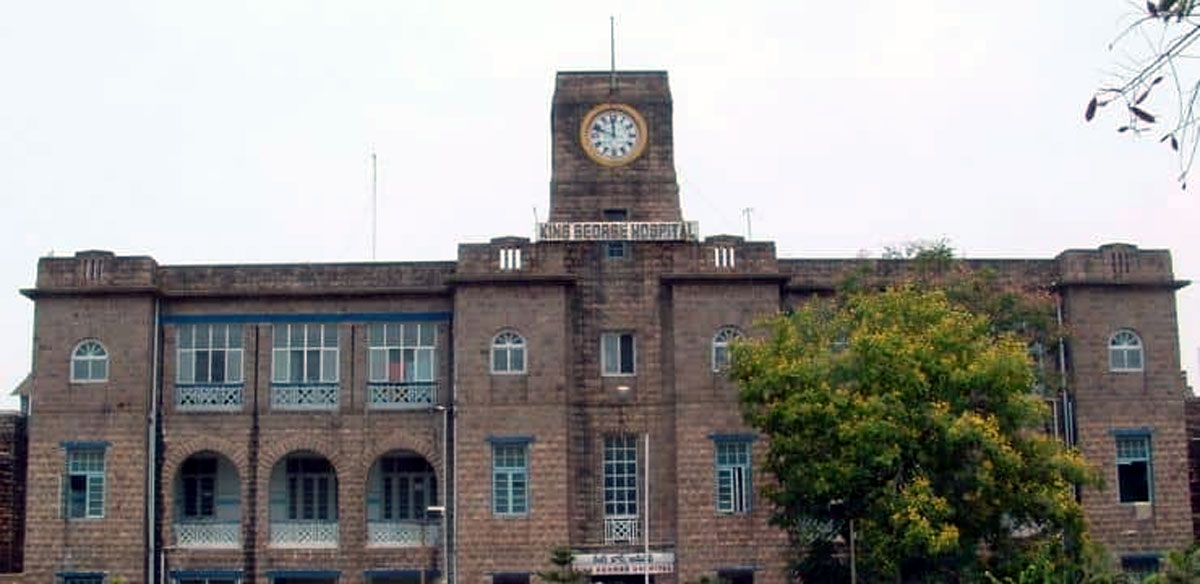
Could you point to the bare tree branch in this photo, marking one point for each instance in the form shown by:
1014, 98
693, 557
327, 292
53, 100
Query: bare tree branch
1159, 44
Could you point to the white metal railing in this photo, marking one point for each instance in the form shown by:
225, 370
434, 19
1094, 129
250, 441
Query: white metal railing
208, 398
208, 534
309, 396
621, 529
304, 534
398, 396
402, 533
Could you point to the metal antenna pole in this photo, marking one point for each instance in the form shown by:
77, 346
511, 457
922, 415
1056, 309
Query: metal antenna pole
374, 204
746, 212
612, 55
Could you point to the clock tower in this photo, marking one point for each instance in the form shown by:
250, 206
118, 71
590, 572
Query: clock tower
613, 150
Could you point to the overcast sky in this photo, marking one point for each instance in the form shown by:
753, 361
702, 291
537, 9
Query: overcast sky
232, 131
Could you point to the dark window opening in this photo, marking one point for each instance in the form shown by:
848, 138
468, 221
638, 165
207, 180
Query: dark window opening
736, 576
1139, 566
616, 249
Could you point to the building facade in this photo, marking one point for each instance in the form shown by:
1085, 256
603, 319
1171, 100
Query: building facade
391, 422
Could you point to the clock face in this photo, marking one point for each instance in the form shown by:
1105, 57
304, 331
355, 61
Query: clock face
613, 134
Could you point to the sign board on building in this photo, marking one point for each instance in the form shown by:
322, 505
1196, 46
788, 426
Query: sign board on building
637, 563
619, 231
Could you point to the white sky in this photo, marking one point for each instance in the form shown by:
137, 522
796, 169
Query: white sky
231, 131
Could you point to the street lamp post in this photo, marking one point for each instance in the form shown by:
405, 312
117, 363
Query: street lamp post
646, 529
445, 491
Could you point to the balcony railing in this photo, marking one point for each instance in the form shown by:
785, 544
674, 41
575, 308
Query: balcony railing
209, 398
304, 534
415, 533
621, 529
400, 396
309, 396
208, 534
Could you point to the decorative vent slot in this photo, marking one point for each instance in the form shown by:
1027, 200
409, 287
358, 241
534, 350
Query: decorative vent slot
723, 257
510, 258
92, 269
1121, 261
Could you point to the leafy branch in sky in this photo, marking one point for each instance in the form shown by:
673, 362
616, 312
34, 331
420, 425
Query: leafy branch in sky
1157, 55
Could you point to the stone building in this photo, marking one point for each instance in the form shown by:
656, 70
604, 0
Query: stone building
390, 422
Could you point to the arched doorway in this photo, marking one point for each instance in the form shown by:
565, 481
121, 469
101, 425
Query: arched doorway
208, 505
401, 487
303, 502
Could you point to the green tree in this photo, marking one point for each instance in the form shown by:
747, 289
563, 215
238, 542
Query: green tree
563, 572
911, 418
1181, 567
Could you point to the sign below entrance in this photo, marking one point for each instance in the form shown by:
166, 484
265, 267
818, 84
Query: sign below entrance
651, 563
619, 231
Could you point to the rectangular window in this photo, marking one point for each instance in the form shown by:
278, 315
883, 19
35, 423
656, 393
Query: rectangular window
1139, 567
401, 353
733, 476
83, 483
408, 488
736, 576
1133, 468
210, 353
617, 353
311, 489
185, 579
510, 479
199, 487
304, 353
620, 475
89, 578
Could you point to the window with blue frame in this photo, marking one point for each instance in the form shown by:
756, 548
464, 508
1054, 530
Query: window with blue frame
81, 578
734, 491
510, 478
83, 482
621, 476
206, 577
402, 352
304, 353
1134, 468
210, 354
1140, 566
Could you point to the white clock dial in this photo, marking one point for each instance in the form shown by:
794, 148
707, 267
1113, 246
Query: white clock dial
613, 134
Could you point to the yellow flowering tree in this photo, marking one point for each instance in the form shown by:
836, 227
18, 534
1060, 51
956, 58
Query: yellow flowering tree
909, 420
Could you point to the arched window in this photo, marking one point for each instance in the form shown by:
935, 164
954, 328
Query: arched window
1124, 351
720, 347
89, 362
508, 353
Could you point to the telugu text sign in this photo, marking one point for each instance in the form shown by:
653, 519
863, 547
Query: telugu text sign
618, 231
635, 563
